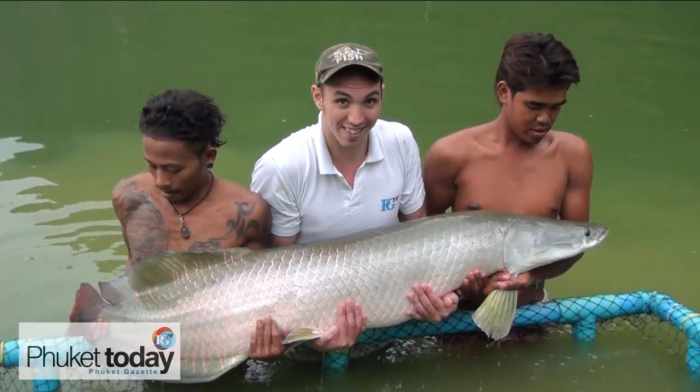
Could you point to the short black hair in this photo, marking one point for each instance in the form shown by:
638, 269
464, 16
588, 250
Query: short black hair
536, 60
185, 115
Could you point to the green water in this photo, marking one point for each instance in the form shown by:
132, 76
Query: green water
73, 77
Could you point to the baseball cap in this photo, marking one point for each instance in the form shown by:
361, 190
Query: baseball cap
343, 55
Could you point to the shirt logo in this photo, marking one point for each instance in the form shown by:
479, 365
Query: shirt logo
390, 203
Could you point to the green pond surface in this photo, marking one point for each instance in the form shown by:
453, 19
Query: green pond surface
73, 77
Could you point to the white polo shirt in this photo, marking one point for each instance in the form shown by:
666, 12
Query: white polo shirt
308, 195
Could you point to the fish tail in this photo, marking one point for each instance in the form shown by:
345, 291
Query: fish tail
496, 314
88, 304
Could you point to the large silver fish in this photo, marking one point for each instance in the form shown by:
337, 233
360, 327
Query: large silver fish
217, 297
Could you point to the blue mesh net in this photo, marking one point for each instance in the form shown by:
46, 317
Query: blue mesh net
582, 317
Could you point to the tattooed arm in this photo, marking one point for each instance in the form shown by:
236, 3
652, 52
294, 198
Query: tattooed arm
253, 223
142, 224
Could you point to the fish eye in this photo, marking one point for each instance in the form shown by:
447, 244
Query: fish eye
588, 232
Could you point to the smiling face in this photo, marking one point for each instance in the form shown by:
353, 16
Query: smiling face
531, 113
178, 172
351, 106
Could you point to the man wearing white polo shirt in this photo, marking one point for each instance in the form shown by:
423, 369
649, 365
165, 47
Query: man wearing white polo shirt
347, 173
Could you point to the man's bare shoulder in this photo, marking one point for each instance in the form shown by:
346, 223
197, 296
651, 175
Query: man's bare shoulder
235, 191
131, 192
571, 145
238, 194
252, 214
461, 144
138, 182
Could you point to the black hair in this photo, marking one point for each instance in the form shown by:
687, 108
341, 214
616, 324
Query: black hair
536, 60
183, 115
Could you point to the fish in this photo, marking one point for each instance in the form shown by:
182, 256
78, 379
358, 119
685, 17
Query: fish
217, 297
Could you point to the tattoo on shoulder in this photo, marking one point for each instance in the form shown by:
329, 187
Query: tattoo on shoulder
144, 227
242, 222
130, 197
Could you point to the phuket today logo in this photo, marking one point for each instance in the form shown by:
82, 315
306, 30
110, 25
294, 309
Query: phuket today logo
146, 351
163, 338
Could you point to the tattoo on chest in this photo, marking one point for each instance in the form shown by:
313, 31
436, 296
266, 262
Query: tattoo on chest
206, 246
240, 225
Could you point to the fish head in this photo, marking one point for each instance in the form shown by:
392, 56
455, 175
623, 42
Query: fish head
531, 243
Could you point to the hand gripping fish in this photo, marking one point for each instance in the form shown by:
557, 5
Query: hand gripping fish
217, 297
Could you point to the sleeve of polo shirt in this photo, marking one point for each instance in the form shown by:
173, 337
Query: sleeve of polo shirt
413, 194
268, 181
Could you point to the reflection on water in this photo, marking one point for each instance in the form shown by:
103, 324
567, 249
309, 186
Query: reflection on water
11, 146
42, 240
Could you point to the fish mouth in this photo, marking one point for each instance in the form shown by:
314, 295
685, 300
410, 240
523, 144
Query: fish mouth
595, 234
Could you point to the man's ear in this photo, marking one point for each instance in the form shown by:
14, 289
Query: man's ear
210, 156
317, 95
503, 92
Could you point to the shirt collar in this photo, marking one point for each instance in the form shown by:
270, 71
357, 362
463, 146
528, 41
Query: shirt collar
375, 152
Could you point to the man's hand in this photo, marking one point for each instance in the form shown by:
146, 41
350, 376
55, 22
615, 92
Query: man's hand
266, 342
426, 305
504, 280
473, 285
350, 321
476, 286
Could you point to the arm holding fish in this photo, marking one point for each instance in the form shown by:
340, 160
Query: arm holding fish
428, 305
143, 226
266, 342
270, 183
350, 321
425, 303
274, 186
120, 210
442, 166
268, 339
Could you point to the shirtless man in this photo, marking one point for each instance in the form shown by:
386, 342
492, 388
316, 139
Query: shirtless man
179, 204
517, 163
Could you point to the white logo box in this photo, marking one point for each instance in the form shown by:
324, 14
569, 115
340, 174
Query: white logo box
99, 351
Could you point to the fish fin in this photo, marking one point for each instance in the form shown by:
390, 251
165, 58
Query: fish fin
165, 268
88, 304
496, 314
301, 335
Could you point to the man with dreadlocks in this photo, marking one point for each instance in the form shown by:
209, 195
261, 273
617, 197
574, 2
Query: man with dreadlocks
179, 204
